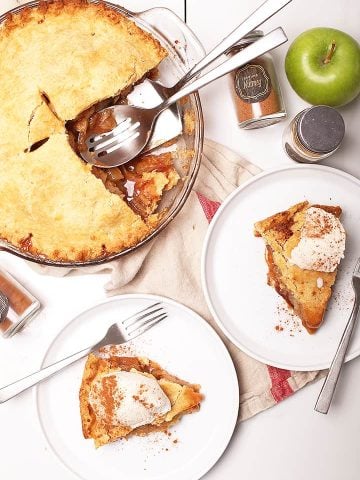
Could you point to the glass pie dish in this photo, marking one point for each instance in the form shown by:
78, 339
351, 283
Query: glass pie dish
184, 50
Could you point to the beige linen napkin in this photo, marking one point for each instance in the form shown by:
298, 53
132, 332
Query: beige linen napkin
170, 266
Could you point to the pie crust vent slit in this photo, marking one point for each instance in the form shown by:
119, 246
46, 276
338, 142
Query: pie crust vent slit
36, 145
45, 97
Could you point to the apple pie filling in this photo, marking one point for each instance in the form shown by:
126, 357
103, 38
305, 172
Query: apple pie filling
141, 182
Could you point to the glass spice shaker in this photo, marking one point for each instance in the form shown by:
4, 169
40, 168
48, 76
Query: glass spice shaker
314, 134
255, 89
22, 305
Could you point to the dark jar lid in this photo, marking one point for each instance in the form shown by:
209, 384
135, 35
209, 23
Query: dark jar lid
320, 129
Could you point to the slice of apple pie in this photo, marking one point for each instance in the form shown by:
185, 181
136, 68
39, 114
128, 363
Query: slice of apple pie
122, 396
304, 246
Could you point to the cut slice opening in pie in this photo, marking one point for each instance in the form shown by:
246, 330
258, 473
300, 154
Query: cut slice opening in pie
304, 246
122, 396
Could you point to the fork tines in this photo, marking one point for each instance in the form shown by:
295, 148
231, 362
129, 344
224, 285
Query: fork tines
144, 320
113, 140
120, 127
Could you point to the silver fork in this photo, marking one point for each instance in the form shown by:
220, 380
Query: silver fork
327, 392
134, 125
118, 333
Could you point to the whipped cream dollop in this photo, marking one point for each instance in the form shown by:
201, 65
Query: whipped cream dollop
130, 399
322, 242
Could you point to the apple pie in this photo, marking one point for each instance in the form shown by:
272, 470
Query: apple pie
122, 396
304, 246
58, 60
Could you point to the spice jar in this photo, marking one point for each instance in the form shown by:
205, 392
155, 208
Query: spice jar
22, 305
255, 89
314, 134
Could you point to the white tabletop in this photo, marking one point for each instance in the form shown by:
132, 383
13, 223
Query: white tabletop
287, 441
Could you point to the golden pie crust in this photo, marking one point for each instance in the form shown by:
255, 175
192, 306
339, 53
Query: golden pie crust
57, 60
184, 397
298, 287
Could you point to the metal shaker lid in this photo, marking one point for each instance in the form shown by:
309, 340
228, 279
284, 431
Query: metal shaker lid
321, 129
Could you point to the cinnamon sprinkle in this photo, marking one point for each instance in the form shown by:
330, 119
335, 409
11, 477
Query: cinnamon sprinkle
138, 398
287, 321
317, 226
108, 399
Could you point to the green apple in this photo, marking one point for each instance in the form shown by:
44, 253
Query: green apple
323, 67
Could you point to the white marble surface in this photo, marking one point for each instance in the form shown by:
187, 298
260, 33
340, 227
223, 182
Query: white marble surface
288, 441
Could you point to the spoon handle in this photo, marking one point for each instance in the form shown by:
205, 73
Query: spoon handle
327, 391
268, 42
259, 16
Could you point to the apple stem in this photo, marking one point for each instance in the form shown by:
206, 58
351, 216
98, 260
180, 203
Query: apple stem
330, 52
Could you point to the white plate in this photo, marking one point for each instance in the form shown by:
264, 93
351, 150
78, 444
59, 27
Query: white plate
234, 269
185, 345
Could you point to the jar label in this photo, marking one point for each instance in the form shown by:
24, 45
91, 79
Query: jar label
252, 83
